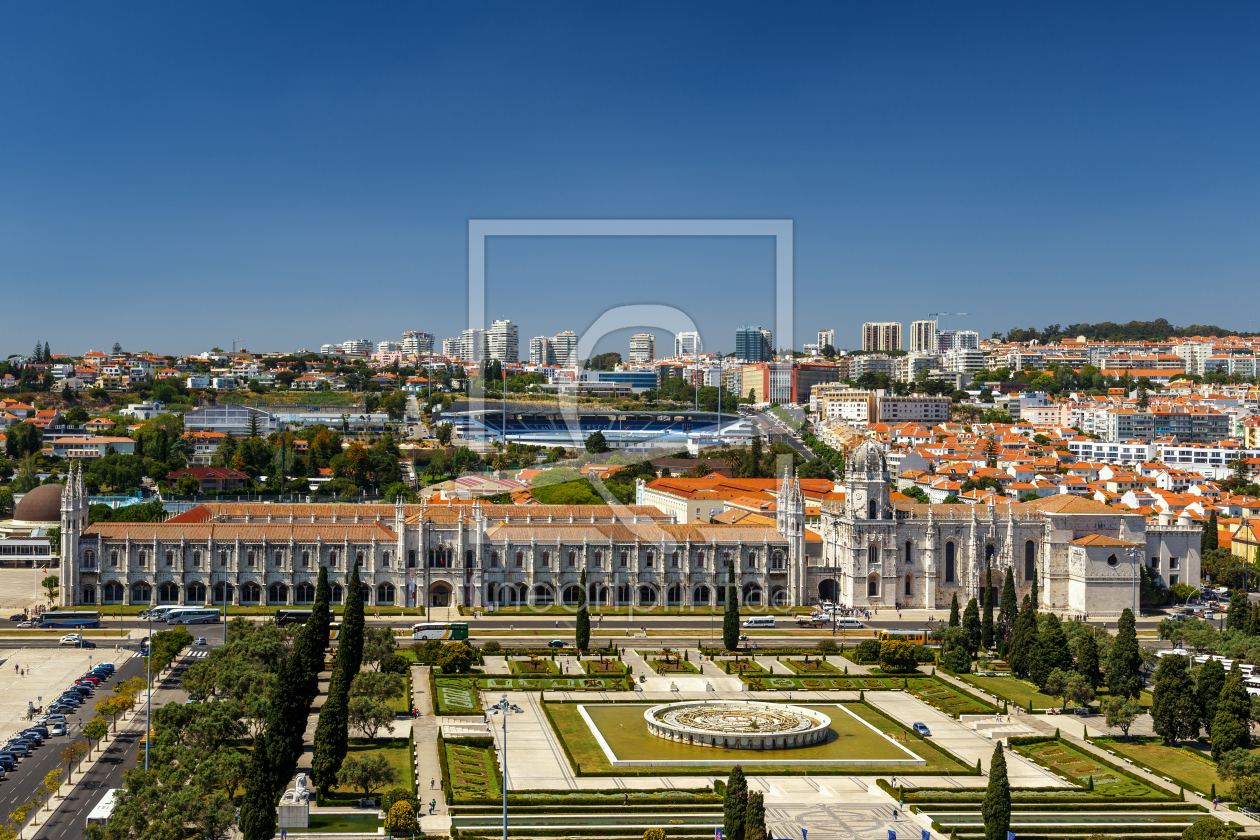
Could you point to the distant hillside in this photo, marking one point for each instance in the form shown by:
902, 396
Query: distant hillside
1157, 330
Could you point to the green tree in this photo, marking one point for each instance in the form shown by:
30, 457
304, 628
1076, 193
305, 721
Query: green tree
896, 656
331, 732
583, 634
1008, 609
1239, 615
1121, 712
735, 805
1210, 538
378, 643
380, 686
368, 772
986, 625
1124, 666
1079, 691
1230, 726
21, 440
51, 584
971, 626
455, 658
1209, 683
954, 620
1208, 828
1174, 707
730, 614
369, 716
996, 807
755, 817
1087, 660
258, 806
1051, 650
595, 442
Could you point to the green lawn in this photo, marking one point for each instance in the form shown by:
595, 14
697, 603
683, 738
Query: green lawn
402, 705
341, 824
622, 727
1080, 767
533, 668
456, 697
473, 771
398, 753
1178, 763
815, 666
1024, 693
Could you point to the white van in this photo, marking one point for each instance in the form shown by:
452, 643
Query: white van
848, 622
760, 621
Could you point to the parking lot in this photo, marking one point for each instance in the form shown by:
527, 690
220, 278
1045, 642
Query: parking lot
49, 671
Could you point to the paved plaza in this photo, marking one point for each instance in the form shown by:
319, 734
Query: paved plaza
49, 671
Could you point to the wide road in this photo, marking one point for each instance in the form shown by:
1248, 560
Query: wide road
774, 427
68, 821
19, 786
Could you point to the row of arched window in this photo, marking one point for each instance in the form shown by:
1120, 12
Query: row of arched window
674, 561
224, 593
253, 558
644, 595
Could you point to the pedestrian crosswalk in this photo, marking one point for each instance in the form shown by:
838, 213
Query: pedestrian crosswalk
196, 654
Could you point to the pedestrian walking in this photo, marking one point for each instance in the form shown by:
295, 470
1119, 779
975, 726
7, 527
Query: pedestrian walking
432, 805
431, 783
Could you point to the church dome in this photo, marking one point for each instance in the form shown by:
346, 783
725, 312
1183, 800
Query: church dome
869, 458
42, 504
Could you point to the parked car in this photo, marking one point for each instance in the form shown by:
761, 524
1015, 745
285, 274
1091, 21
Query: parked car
85, 644
18, 748
58, 729
8, 761
200, 641
25, 625
39, 727
70, 638
921, 729
17, 617
49, 720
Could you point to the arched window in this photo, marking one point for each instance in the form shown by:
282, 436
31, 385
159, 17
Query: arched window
571, 595
196, 559
623, 594
141, 593
385, 594
674, 595
249, 559
469, 560
909, 552
277, 593
1030, 561
597, 595
332, 558
279, 559
335, 593
989, 552
113, 558
358, 559
411, 558
546, 559
776, 561
223, 593
871, 509
598, 562
222, 558
170, 557
196, 593
384, 559
673, 560
625, 559
648, 559
89, 562
949, 562
872, 554
647, 596
752, 595
304, 594
572, 558
520, 559
542, 595
251, 593
112, 593
168, 593
700, 559
494, 559
700, 597
89, 595
141, 557
752, 559
306, 559
908, 579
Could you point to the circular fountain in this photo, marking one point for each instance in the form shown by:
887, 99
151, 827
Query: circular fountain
737, 725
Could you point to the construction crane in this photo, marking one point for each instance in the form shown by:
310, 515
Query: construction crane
237, 341
936, 315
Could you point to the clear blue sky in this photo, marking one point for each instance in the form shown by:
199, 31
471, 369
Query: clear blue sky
175, 175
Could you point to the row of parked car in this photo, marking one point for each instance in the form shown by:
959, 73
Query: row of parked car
53, 723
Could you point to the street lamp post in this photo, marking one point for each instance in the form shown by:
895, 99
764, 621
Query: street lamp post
148, 703
504, 708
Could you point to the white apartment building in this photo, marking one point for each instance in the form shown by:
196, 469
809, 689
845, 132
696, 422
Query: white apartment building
907, 367
826, 338
688, 344
923, 336
540, 351
957, 340
565, 345
642, 348
357, 347
389, 347
452, 347
474, 345
1230, 364
1113, 452
914, 409
962, 360
504, 341
851, 406
1196, 355
1211, 459
870, 363
881, 335
416, 343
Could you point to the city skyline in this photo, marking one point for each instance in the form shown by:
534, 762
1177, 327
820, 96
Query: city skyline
277, 168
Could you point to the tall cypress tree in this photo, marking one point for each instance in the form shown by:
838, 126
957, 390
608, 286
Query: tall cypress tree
258, 806
317, 633
734, 805
953, 611
971, 625
1023, 638
755, 817
1209, 683
1124, 667
730, 617
1009, 608
1087, 660
986, 626
1033, 592
997, 799
582, 638
1230, 727
333, 731
1050, 651
287, 712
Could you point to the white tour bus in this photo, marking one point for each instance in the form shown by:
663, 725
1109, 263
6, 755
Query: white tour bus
160, 613
193, 615
101, 813
760, 621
